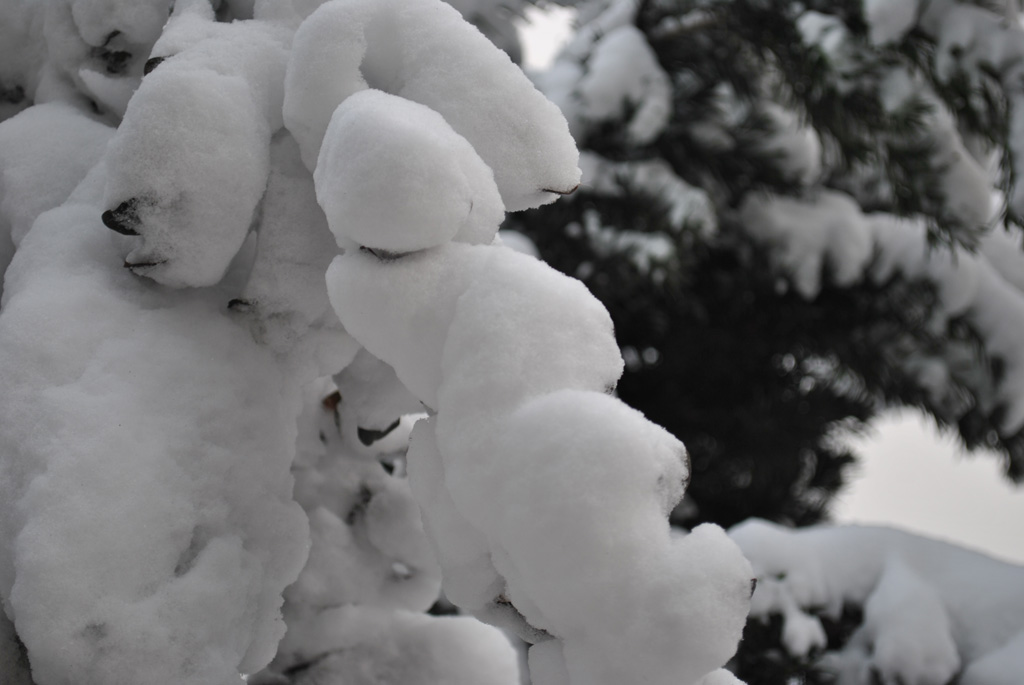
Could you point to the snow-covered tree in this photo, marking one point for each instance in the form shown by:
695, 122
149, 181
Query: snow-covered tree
270, 380
798, 214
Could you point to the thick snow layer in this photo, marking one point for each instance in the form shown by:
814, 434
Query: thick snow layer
189, 162
370, 389
253, 50
45, 151
930, 608
139, 21
520, 242
188, 166
95, 50
182, 475
349, 614
423, 50
368, 546
148, 522
284, 300
615, 504
475, 332
368, 646
470, 579
380, 303
514, 421
394, 176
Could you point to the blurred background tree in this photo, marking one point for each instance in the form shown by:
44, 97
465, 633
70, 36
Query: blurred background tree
728, 147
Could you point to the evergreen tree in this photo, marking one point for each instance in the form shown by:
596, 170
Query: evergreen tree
744, 164
788, 210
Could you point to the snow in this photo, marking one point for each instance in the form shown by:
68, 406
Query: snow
1002, 666
513, 421
423, 51
806, 236
189, 492
720, 677
386, 165
965, 186
968, 285
889, 20
271, 249
796, 148
44, 152
623, 74
189, 162
609, 71
373, 396
647, 251
372, 647
95, 50
828, 34
977, 42
514, 240
139, 22
688, 206
828, 233
469, 578
930, 608
284, 299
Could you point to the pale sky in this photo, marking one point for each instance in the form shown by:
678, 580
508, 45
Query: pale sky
543, 34
909, 475
913, 477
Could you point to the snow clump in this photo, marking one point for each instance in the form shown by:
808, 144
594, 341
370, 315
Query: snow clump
189, 162
425, 52
931, 609
205, 437
474, 332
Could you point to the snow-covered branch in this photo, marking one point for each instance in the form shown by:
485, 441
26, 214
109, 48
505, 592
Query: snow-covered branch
932, 612
216, 326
